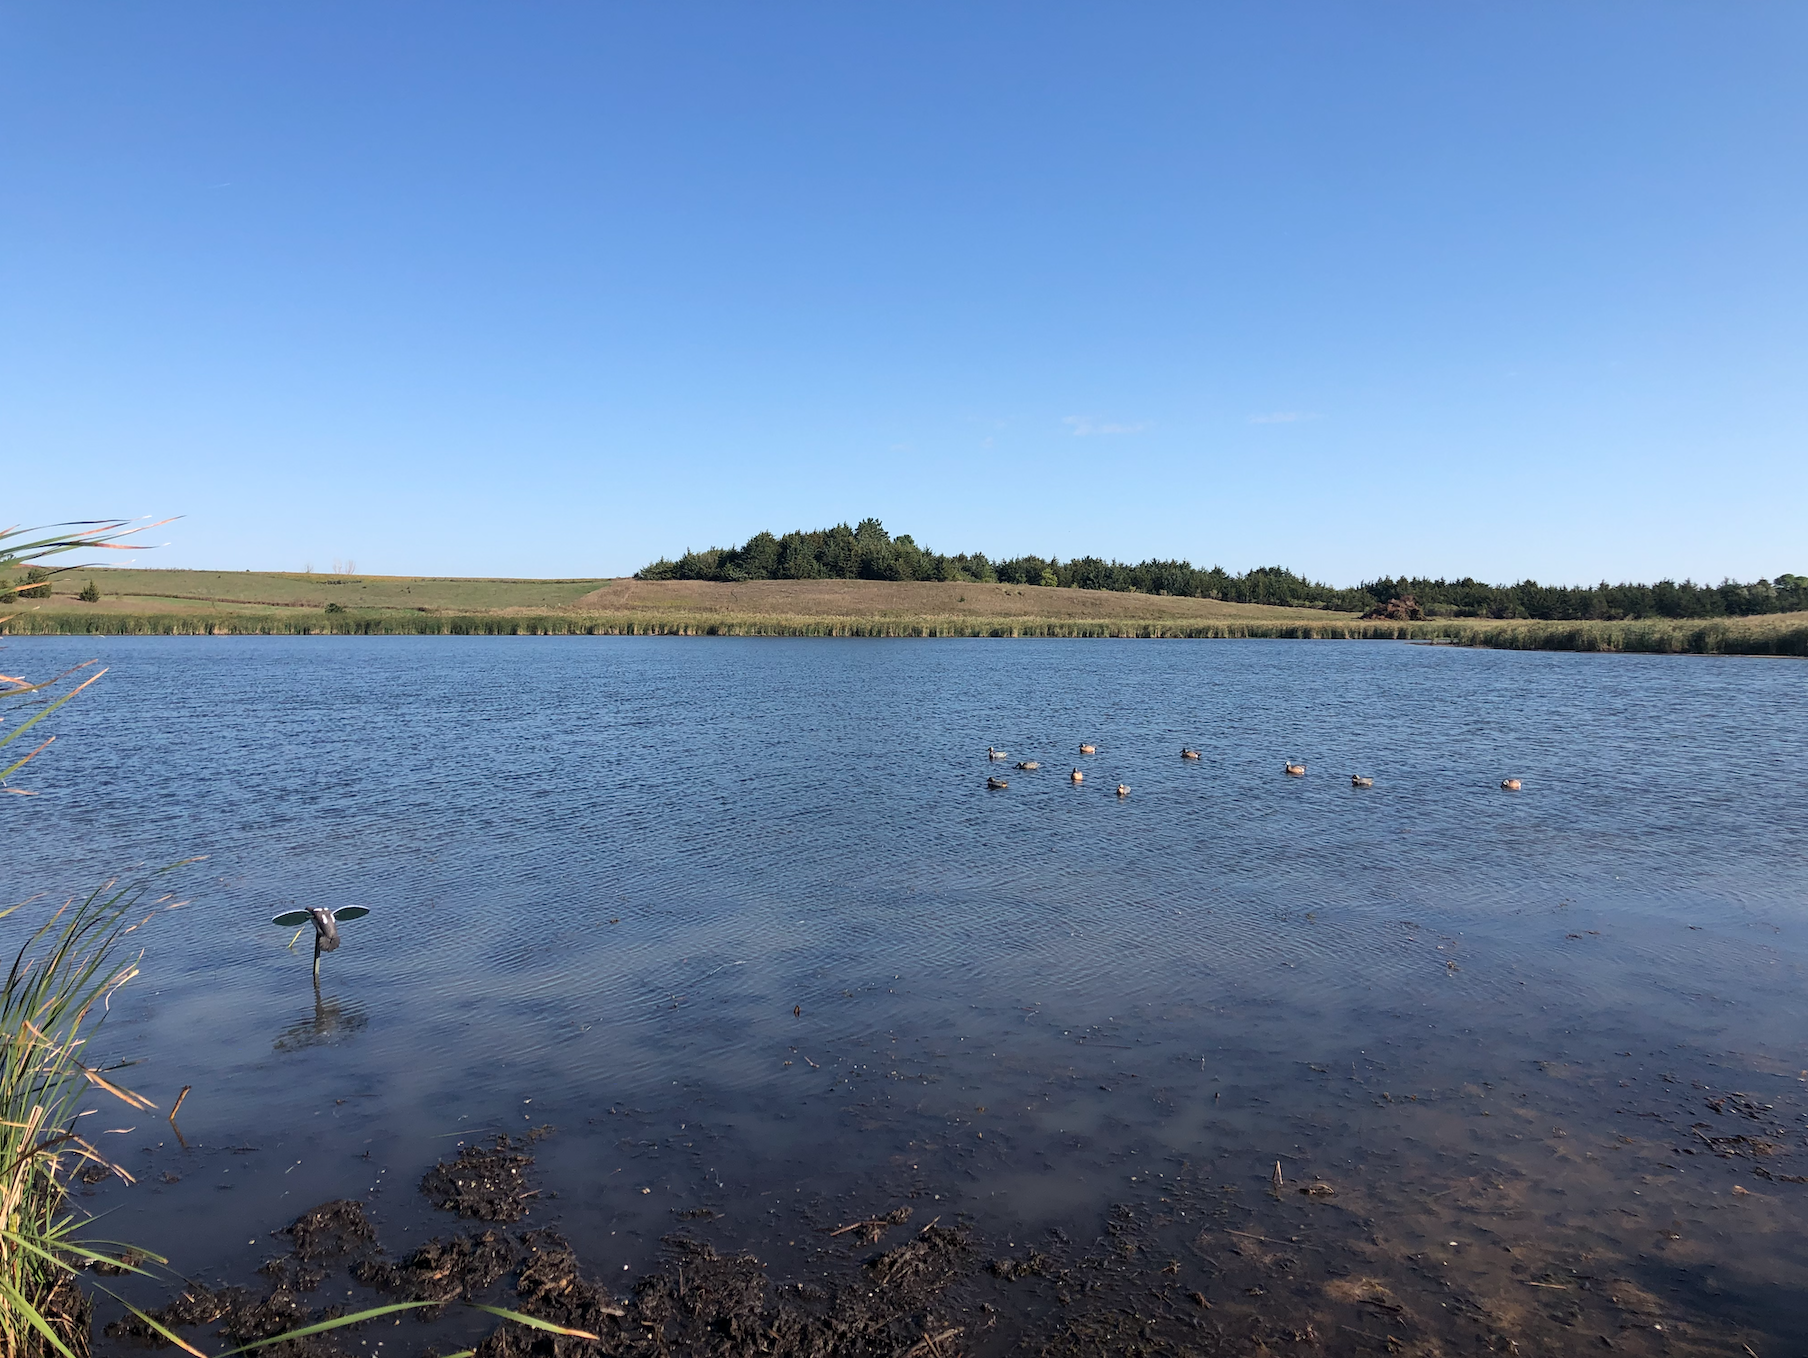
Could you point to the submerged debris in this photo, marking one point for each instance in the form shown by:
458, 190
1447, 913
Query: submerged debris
197, 1305
443, 1270
241, 1316
329, 1230
1035, 1264
485, 1182
1198, 1266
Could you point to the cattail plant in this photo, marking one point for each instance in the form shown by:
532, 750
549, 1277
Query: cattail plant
18, 546
57, 991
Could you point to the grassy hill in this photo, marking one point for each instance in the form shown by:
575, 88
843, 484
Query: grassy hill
172, 602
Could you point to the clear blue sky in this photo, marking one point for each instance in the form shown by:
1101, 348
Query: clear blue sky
1506, 289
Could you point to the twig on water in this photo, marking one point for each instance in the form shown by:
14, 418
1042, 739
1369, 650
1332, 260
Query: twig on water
1270, 1240
875, 1226
930, 1345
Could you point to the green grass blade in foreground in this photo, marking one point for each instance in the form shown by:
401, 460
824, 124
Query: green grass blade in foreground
84, 1254
102, 533
167, 1333
535, 1322
323, 1326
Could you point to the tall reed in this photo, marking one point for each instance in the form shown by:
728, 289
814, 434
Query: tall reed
57, 991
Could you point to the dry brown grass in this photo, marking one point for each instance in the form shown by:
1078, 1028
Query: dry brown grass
880, 600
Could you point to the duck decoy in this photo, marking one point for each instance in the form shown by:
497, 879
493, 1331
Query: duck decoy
1188, 752
995, 754
326, 932
1089, 749
1028, 765
997, 784
1357, 780
1123, 789
1296, 770
1076, 777
1509, 784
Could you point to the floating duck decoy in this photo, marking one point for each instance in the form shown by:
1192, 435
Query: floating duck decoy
1357, 780
1076, 777
1509, 784
1089, 749
1188, 752
1123, 789
995, 754
1296, 770
326, 932
997, 784
1028, 765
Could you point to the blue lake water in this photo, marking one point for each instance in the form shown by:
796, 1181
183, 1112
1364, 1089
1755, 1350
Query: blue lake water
741, 920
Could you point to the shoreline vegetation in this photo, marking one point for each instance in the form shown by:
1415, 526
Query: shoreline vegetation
158, 602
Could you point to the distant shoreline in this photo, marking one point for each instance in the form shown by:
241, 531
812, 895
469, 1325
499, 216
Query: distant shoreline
235, 603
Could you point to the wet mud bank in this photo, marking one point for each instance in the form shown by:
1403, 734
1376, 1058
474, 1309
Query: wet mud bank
1419, 1261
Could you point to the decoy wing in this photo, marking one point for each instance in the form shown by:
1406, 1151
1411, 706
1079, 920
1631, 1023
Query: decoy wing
290, 919
346, 912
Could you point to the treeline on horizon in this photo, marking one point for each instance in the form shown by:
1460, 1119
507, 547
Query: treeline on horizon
868, 552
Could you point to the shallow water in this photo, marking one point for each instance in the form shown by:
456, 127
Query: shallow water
1514, 1034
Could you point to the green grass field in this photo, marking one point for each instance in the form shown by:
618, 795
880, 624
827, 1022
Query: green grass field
171, 602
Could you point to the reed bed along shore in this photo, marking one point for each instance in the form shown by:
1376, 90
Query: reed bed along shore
1779, 634
252, 603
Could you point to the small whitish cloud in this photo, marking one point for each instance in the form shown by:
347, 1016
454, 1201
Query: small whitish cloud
1284, 417
1085, 425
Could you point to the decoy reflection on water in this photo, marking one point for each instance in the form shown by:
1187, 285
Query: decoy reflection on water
1296, 770
1509, 784
332, 1021
326, 932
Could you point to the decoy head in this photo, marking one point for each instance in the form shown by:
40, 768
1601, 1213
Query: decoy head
324, 927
